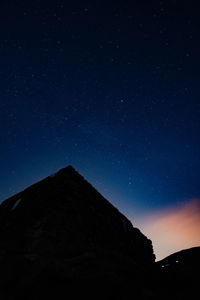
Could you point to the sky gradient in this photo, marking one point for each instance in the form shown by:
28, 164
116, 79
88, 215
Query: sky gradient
113, 90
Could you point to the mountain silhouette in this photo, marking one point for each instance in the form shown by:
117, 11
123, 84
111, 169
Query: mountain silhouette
177, 276
60, 238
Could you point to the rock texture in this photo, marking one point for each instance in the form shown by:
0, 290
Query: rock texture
60, 238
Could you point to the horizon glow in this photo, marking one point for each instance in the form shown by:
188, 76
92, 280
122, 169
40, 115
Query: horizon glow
173, 229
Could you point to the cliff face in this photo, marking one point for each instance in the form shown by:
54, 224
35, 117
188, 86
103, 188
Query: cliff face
61, 233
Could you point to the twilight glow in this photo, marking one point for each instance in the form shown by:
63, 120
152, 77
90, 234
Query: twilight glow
175, 229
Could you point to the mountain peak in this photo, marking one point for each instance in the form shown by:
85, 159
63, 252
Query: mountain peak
63, 223
67, 200
67, 170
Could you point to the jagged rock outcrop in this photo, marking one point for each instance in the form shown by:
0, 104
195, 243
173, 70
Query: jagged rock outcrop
60, 236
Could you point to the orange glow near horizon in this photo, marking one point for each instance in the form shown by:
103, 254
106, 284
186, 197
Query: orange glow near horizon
174, 229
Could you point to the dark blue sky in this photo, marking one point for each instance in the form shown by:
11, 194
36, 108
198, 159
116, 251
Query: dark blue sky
110, 88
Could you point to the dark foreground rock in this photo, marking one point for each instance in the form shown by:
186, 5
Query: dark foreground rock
60, 239
177, 276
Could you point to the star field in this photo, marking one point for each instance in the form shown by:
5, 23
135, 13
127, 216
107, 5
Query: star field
110, 88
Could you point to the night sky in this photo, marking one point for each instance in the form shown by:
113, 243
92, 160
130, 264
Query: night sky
111, 88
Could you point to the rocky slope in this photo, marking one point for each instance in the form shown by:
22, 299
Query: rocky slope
61, 237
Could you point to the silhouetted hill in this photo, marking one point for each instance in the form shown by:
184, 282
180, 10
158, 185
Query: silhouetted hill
177, 276
60, 238
184, 259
